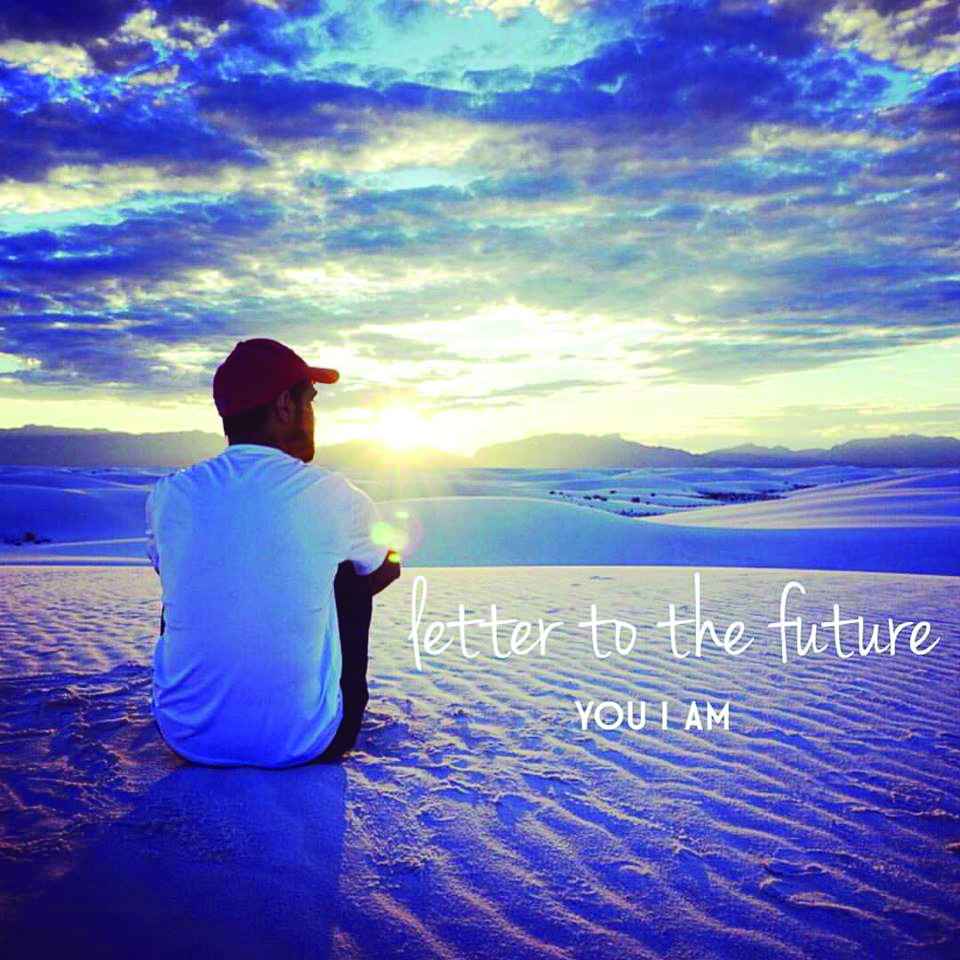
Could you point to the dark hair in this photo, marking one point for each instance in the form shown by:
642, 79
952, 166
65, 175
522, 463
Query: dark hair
250, 424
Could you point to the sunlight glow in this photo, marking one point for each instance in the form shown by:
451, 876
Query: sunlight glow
401, 428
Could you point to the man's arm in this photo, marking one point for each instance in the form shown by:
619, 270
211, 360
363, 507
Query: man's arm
371, 559
152, 553
385, 574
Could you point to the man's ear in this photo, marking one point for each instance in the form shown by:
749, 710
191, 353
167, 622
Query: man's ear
285, 407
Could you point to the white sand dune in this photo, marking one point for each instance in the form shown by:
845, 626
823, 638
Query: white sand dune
73, 514
905, 523
916, 500
487, 530
477, 819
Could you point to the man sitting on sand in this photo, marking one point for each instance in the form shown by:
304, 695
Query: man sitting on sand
268, 568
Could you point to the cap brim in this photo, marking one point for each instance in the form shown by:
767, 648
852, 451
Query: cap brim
323, 375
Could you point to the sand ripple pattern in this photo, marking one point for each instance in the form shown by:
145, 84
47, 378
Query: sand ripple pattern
478, 819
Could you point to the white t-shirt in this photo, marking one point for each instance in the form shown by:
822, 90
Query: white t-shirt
247, 545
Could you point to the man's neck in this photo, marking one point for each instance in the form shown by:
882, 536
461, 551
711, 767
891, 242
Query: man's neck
260, 442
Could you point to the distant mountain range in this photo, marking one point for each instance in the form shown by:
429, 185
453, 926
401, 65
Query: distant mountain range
571, 450
908, 450
77, 447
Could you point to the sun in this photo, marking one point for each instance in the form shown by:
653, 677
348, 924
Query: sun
401, 428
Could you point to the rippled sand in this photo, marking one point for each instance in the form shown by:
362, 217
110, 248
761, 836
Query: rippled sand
478, 819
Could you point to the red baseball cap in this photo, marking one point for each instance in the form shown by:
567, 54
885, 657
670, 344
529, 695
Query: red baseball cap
259, 370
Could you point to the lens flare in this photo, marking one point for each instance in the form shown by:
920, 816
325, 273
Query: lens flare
399, 531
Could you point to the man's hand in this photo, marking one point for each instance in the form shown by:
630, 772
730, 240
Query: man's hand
385, 574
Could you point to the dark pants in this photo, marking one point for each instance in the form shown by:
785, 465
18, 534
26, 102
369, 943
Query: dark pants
354, 597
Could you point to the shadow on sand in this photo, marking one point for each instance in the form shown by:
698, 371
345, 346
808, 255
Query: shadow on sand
208, 863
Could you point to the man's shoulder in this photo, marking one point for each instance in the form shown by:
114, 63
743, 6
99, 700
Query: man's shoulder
347, 488
332, 483
159, 484
178, 475
220, 472
339, 492
189, 479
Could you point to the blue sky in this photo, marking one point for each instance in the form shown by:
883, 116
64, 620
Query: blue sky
690, 223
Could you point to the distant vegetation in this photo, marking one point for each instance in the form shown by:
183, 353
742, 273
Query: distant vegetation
25, 538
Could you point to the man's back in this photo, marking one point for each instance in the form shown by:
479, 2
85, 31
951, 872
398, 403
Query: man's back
247, 544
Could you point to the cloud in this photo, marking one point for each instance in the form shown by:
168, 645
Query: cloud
702, 194
920, 36
517, 395
118, 33
549, 388
280, 108
65, 61
830, 423
388, 348
559, 11
59, 23
128, 129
